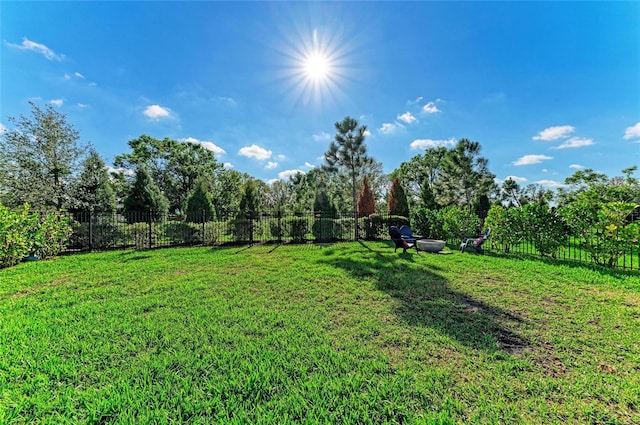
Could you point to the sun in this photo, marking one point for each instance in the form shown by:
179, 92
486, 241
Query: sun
317, 67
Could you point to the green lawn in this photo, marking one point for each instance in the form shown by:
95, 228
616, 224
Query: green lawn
345, 333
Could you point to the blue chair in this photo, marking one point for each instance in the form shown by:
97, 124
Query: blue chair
476, 242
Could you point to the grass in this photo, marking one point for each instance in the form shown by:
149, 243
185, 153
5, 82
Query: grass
344, 333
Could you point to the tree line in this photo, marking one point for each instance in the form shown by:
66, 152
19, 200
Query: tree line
43, 164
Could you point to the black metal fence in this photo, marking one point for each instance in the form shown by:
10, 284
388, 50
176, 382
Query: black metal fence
146, 229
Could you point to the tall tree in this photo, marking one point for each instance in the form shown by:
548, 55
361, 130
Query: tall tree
349, 152
420, 177
93, 190
464, 175
250, 202
174, 165
199, 205
366, 202
145, 197
38, 158
398, 204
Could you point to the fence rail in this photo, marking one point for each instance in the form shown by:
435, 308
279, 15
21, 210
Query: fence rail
146, 229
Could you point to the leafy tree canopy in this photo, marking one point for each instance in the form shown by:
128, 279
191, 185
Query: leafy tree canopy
38, 159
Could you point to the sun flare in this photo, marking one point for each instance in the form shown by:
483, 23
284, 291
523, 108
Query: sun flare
317, 67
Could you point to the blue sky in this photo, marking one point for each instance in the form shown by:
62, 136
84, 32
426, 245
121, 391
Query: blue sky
545, 87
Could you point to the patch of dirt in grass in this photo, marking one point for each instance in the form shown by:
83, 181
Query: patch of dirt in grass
34, 289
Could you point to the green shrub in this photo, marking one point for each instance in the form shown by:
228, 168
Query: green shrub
138, 234
276, 228
298, 229
458, 222
544, 228
427, 223
371, 227
182, 232
397, 220
323, 229
23, 233
603, 228
343, 228
507, 226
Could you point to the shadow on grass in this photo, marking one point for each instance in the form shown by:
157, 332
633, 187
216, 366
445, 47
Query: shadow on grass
426, 299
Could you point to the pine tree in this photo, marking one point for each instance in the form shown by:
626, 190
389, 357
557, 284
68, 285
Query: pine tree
398, 204
250, 201
366, 203
93, 191
200, 204
323, 204
145, 197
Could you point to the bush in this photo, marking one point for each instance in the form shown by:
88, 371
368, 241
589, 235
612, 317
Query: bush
138, 234
603, 227
343, 228
298, 229
428, 223
458, 222
181, 232
241, 229
276, 228
507, 226
371, 226
397, 220
104, 235
323, 229
23, 233
544, 228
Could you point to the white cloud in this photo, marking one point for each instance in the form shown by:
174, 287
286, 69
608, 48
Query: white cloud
309, 165
157, 112
272, 181
67, 76
38, 48
271, 165
227, 165
407, 117
227, 100
632, 132
82, 105
575, 142
516, 179
217, 150
550, 183
255, 151
125, 171
531, 159
367, 133
555, 133
576, 166
321, 137
77, 74
387, 128
284, 175
57, 102
430, 108
429, 143
281, 157
417, 100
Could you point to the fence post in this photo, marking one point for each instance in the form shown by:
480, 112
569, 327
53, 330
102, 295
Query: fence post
150, 229
279, 226
250, 215
90, 230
